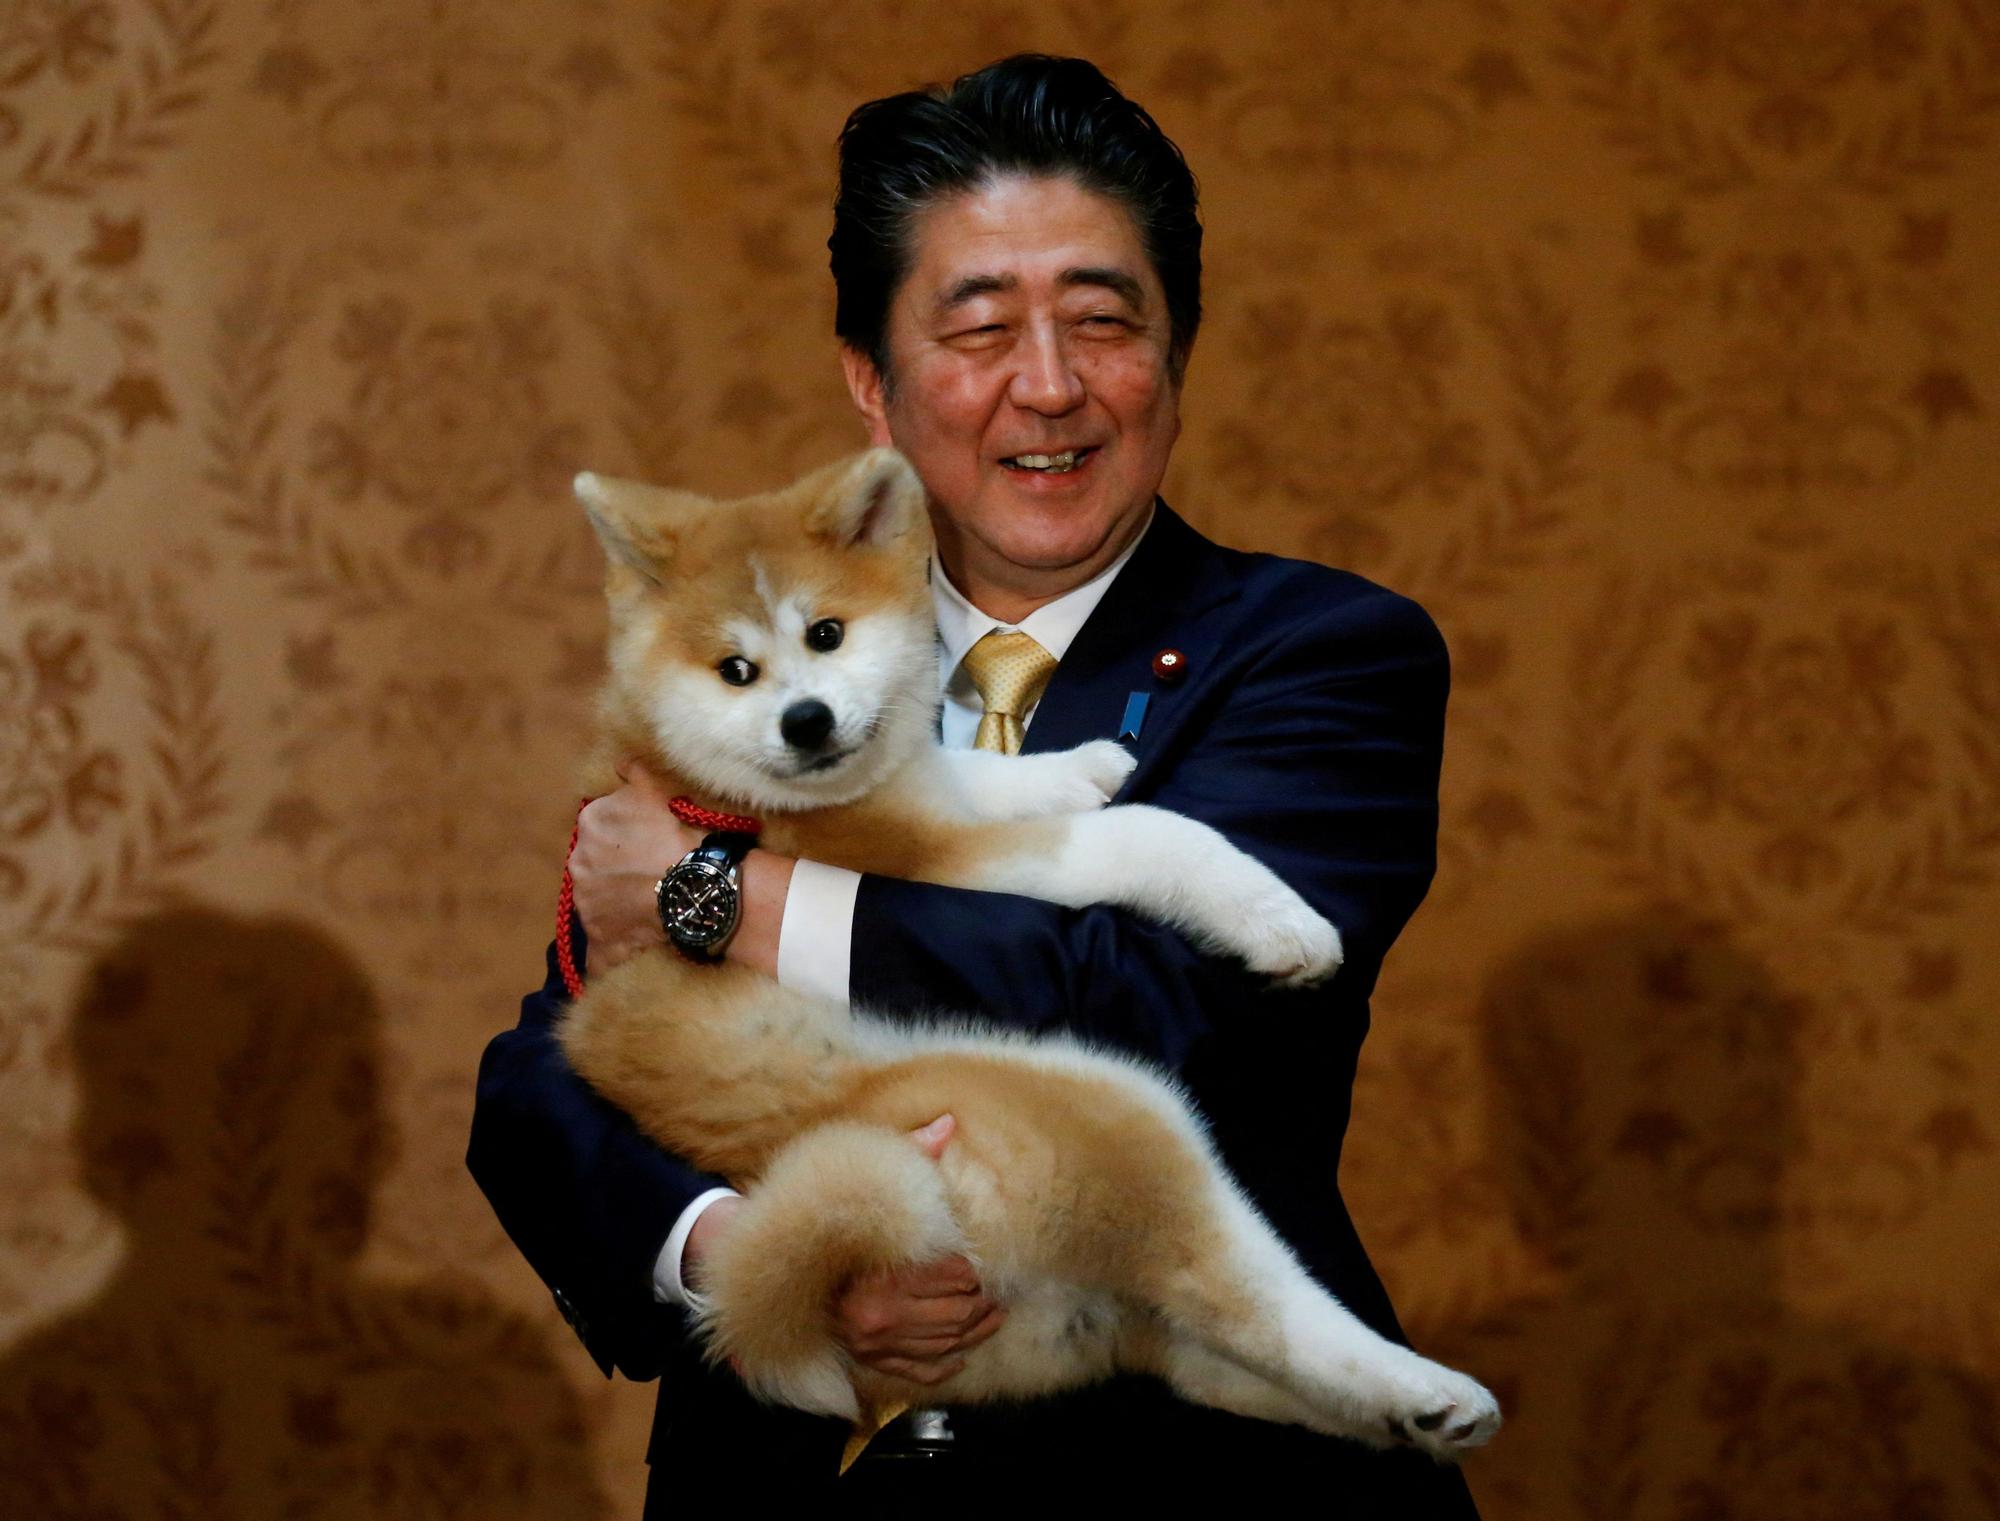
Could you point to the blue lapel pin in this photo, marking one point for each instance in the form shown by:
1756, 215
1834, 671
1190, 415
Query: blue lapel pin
1135, 715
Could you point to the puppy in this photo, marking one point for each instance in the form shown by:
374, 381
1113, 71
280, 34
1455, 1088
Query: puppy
1079, 1180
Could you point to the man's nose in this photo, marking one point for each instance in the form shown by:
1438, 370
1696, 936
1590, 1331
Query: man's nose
1045, 380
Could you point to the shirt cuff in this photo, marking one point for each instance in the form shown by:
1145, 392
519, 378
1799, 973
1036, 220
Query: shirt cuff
667, 1285
816, 936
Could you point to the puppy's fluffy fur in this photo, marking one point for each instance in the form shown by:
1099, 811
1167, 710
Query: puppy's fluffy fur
1080, 1181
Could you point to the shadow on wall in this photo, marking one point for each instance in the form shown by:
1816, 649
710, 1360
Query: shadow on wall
237, 1366
1646, 1088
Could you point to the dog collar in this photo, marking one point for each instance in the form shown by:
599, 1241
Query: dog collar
689, 812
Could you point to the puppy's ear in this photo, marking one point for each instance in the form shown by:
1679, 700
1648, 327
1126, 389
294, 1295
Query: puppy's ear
876, 500
634, 522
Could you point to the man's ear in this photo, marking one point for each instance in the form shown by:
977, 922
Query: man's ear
870, 391
876, 500
634, 521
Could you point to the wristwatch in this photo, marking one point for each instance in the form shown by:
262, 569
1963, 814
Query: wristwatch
701, 898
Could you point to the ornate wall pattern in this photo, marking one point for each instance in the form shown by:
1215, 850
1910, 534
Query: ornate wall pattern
1647, 342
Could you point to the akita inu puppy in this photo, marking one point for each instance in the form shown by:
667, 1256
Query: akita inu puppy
1079, 1180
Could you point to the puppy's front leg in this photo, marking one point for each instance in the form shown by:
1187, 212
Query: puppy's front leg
996, 789
1171, 868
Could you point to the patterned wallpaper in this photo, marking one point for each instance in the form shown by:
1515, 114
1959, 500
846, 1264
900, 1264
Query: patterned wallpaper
1649, 343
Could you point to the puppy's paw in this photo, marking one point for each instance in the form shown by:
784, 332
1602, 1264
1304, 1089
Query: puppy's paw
1285, 940
1090, 775
1441, 1411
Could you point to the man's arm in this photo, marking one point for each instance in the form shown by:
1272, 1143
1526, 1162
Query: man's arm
1323, 765
585, 1196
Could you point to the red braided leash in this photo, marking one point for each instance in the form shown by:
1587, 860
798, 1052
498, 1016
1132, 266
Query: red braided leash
689, 812
565, 907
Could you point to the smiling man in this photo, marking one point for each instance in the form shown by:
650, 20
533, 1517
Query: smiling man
1030, 374
1017, 259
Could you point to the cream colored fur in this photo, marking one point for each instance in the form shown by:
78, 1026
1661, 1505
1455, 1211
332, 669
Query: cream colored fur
1080, 1181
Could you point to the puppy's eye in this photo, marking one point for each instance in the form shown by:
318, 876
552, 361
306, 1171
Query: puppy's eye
825, 635
737, 671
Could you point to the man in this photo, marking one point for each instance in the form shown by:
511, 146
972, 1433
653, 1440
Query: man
1017, 262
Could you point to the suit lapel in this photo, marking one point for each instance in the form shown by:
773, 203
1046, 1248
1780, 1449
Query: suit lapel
1166, 597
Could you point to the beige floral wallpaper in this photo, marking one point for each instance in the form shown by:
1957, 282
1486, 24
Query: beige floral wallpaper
1650, 343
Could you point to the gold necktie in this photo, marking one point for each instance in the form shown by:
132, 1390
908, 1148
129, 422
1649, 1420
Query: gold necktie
865, 1430
1010, 671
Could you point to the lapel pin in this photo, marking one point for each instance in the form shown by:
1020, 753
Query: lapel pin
1170, 665
1135, 715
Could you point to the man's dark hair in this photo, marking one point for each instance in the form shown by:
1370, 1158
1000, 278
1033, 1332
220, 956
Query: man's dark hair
1029, 114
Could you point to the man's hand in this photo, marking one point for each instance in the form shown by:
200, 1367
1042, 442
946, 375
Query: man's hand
916, 1323
625, 842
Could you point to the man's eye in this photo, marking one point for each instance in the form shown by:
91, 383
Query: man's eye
825, 635
737, 671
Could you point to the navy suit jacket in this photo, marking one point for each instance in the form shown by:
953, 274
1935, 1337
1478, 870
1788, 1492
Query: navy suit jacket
1308, 729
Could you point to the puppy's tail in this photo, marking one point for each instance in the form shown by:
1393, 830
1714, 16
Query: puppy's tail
839, 1201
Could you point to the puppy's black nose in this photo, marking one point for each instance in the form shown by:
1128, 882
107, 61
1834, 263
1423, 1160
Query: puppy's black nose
807, 724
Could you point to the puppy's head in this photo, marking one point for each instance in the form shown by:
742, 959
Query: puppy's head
779, 648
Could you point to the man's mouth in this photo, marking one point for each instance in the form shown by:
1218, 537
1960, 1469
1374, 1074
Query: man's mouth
1049, 464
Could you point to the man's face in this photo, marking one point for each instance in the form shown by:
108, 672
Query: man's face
1031, 323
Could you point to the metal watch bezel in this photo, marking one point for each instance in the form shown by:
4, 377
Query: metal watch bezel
697, 864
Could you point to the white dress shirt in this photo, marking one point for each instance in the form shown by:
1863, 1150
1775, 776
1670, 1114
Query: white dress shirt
816, 936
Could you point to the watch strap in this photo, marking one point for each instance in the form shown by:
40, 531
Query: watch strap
726, 847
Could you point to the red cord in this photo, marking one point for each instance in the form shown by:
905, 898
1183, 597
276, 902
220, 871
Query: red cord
565, 906
689, 812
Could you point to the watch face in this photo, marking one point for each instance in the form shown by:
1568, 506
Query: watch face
698, 903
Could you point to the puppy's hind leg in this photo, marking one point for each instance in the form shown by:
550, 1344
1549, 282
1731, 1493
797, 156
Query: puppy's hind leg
1197, 1372
1252, 1305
